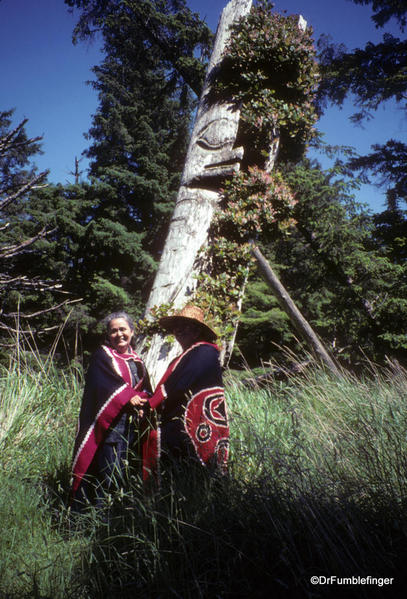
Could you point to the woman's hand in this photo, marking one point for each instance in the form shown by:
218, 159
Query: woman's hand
138, 402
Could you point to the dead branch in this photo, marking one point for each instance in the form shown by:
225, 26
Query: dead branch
297, 319
67, 302
24, 189
23, 282
13, 250
10, 329
9, 141
5, 141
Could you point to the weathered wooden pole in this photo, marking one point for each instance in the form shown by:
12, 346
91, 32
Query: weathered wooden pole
211, 157
298, 321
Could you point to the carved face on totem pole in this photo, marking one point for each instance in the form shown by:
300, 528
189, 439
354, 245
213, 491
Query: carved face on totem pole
212, 155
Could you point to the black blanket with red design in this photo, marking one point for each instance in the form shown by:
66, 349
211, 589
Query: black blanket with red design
191, 403
108, 389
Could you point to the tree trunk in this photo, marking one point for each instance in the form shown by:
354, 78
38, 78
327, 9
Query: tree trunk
297, 319
211, 157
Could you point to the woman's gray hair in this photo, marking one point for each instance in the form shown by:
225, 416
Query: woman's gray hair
108, 319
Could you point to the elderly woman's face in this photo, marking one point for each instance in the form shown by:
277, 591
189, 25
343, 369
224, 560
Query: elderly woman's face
120, 334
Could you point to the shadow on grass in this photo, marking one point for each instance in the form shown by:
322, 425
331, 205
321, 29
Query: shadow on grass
200, 536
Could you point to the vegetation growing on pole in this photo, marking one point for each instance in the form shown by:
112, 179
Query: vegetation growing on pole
252, 203
270, 71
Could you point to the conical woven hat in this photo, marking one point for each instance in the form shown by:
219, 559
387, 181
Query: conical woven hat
188, 314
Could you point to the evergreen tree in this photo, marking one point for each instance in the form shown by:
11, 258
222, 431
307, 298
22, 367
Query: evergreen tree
373, 75
63, 211
138, 137
384, 10
24, 291
342, 281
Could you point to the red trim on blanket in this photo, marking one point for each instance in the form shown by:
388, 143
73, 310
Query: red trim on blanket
160, 394
121, 362
106, 415
97, 432
151, 452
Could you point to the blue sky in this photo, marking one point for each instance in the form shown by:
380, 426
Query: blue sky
43, 76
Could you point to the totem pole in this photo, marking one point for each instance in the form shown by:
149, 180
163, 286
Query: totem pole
211, 157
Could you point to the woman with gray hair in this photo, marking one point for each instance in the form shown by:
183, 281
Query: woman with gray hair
114, 407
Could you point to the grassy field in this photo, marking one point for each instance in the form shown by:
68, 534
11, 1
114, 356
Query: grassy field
317, 487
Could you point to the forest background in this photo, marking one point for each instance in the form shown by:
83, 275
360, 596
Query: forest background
317, 469
71, 252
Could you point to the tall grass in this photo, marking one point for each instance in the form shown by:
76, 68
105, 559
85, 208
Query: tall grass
333, 453
317, 486
38, 406
348, 431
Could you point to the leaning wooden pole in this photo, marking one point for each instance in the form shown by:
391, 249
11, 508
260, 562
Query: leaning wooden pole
298, 321
211, 157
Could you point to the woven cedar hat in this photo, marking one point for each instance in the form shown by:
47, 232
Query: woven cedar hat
188, 314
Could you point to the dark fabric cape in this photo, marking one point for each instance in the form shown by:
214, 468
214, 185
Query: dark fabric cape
108, 389
191, 403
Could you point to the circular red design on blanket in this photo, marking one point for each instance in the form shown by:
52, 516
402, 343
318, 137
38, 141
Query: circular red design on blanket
206, 424
203, 432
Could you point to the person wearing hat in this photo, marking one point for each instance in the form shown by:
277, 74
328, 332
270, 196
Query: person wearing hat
189, 398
